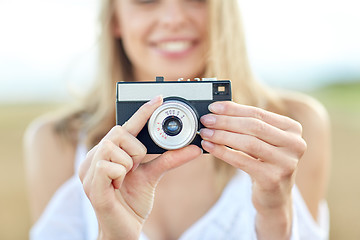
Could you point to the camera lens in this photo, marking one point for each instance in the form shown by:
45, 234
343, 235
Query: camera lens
172, 125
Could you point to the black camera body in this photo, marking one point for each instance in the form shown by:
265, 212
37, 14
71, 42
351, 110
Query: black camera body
175, 124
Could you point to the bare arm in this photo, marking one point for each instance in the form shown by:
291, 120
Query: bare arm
49, 162
314, 167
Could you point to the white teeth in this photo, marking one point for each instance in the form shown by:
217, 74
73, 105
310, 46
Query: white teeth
177, 46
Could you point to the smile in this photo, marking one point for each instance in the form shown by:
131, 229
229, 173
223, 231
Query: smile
175, 46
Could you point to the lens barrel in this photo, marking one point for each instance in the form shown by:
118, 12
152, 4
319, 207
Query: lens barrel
173, 125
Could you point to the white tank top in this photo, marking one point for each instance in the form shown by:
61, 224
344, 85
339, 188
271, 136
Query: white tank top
69, 214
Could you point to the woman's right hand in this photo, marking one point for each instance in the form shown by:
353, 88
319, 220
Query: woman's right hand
121, 190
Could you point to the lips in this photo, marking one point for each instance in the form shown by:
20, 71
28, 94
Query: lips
175, 47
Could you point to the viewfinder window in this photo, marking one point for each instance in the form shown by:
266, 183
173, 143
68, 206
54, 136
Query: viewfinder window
221, 89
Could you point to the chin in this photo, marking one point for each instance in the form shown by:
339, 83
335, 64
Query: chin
181, 72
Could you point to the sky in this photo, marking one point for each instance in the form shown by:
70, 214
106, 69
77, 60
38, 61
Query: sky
47, 47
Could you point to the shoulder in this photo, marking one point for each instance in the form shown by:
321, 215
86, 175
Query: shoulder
315, 121
313, 168
49, 161
40, 130
42, 133
303, 108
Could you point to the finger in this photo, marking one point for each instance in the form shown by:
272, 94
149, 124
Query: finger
169, 160
268, 174
245, 143
85, 165
142, 115
106, 175
237, 110
233, 157
108, 151
126, 141
246, 125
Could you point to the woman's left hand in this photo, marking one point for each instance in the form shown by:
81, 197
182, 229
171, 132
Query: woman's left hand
266, 145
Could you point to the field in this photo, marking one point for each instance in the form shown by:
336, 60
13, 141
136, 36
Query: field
342, 102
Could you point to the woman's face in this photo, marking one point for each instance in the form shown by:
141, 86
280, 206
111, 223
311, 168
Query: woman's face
163, 37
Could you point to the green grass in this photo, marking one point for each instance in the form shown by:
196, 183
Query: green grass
345, 96
343, 104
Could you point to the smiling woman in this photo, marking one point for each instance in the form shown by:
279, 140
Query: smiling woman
156, 39
248, 185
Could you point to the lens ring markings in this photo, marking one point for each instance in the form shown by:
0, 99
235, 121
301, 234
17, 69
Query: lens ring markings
178, 112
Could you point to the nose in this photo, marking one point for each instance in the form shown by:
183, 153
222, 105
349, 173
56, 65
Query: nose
173, 15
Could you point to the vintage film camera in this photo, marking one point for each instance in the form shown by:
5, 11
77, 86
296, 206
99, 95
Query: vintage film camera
175, 124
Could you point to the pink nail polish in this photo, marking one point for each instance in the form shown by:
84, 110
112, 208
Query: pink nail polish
155, 100
207, 145
208, 119
207, 133
216, 107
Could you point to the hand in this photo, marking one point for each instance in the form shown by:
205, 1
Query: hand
266, 145
120, 188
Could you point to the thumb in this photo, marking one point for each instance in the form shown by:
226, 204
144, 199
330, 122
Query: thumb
169, 160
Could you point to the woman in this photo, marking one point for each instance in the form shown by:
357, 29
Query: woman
243, 189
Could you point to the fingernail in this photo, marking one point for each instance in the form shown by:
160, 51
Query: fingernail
208, 120
116, 184
155, 100
206, 133
216, 107
207, 145
135, 167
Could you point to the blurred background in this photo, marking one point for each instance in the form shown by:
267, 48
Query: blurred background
47, 55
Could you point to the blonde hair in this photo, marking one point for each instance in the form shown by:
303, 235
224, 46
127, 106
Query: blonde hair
226, 59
